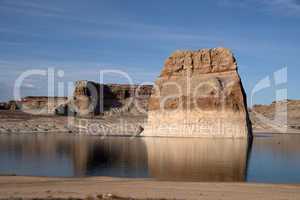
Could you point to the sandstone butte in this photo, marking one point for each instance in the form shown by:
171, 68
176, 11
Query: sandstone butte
91, 98
199, 94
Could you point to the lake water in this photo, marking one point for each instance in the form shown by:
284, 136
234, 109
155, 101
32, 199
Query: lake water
270, 158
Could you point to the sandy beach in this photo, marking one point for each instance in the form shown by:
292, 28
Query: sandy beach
42, 187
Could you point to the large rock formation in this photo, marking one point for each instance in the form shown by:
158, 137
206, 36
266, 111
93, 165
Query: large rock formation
4, 106
92, 98
39, 105
43, 105
199, 94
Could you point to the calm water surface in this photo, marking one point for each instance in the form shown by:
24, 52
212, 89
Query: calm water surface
273, 159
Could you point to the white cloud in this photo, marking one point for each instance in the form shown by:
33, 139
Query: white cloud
96, 29
44, 9
30, 8
282, 7
286, 7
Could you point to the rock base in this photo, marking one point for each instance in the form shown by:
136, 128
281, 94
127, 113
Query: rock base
195, 124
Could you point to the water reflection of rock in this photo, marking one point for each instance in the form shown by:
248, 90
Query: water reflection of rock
197, 159
161, 158
67, 155
37, 155
123, 157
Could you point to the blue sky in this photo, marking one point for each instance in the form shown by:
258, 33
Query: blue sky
136, 36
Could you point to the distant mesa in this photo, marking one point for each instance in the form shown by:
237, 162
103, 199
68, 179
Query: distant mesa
280, 116
91, 98
38, 105
199, 94
41, 104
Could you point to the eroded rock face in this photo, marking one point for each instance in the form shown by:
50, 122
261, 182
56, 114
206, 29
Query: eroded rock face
37, 105
92, 98
279, 116
199, 94
4, 106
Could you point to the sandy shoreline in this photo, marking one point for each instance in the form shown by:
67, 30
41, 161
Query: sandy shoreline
44, 187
